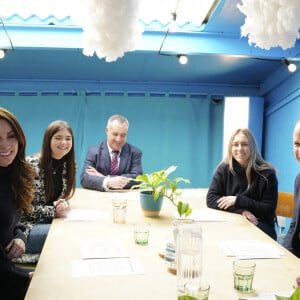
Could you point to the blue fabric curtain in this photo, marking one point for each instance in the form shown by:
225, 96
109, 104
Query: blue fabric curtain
170, 130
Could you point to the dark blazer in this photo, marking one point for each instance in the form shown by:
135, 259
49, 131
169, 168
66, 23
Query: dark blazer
292, 238
98, 157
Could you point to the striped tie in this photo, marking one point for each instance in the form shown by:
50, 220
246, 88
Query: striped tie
114, 163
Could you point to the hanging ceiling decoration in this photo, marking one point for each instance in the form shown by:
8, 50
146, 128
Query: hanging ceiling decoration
110, 27
113, 27
271, 23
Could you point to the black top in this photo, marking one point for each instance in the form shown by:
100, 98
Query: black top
9, 213
14, 281
58, 165
260, 198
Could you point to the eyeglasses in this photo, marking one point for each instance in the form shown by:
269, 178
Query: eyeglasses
242, 145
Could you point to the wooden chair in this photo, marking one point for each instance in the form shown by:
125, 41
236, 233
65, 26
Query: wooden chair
285, 209
285, 205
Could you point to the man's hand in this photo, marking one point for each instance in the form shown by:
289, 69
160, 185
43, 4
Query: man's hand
117, 182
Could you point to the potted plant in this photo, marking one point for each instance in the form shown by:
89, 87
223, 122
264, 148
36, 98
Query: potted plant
157, 186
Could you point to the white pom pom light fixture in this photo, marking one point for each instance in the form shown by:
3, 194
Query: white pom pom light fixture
271, 23
112, 27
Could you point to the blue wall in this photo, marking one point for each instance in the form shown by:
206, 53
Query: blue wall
281, 114
167, 126
282, 110
171, 129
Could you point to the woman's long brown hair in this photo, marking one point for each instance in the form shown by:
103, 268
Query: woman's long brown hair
47, 166
22, 174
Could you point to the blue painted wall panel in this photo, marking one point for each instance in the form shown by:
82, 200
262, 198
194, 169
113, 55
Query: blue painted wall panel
170, 130
279, 121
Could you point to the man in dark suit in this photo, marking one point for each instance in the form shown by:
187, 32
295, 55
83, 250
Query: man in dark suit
292, 239
110, 164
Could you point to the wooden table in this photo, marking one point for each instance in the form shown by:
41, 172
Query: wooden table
53, 276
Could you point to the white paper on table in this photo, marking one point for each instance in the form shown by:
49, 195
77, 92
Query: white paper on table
206, 215
124, 194
202, 215
77, 214
267, 296
247, 249
105, 267
92, 249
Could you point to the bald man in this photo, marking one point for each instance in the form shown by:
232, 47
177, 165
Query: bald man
292, 239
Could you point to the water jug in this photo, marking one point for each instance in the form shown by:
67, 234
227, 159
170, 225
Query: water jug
189, 245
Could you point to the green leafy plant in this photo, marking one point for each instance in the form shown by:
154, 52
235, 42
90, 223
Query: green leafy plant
160, 184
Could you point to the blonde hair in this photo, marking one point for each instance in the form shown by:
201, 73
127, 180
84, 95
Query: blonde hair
256, 161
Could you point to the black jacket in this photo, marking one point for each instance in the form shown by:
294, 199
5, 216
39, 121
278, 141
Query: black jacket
260, 199
13, 280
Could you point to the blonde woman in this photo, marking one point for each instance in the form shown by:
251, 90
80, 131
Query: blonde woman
245, 183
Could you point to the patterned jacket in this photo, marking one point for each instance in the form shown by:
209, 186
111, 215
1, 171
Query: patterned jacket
41, 212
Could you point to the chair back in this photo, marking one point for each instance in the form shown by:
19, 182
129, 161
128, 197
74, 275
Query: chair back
285, 204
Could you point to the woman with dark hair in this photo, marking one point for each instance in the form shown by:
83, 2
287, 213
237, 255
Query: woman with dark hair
54, 184
245, 183
16, 179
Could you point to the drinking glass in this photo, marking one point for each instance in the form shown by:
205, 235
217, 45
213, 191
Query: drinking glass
243, 274
189, 256
119, 211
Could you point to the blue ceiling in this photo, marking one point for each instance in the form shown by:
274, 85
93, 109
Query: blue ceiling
71, 64
217, 54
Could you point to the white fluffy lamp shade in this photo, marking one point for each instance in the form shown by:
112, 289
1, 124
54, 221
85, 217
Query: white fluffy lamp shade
110, 27
271, 23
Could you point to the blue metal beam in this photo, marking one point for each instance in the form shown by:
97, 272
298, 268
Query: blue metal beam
57, 37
